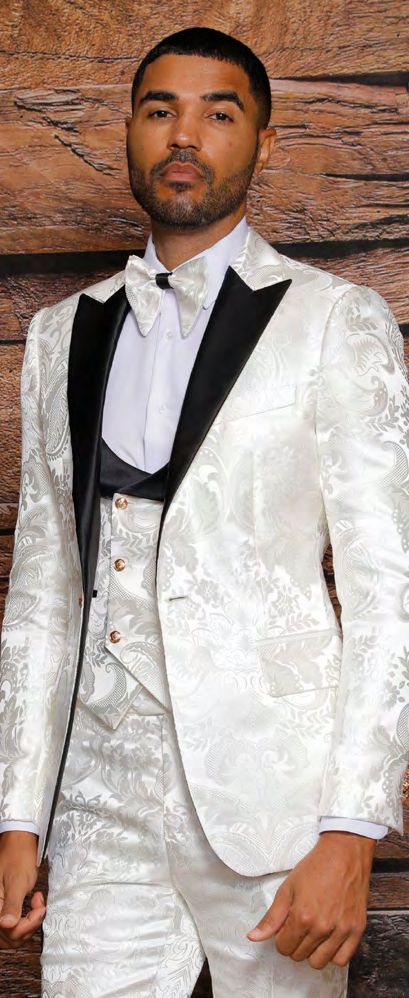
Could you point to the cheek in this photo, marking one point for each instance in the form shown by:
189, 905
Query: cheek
145, 148
230, 153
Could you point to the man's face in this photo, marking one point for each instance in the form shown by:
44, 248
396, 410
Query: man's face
193, 141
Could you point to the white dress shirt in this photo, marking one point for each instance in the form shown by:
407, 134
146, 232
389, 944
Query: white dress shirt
149, 374
144, 396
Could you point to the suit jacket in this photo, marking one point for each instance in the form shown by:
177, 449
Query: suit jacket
294, 431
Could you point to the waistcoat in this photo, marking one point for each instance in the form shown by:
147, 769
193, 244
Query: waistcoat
124, 657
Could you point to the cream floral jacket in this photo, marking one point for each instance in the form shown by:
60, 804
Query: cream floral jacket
295, 432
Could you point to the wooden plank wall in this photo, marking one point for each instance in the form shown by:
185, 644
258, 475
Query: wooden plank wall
336, 194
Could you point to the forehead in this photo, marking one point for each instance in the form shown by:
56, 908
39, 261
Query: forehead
194, 75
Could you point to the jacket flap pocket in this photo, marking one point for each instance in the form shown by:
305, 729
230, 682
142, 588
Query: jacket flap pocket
250, 403
294, 663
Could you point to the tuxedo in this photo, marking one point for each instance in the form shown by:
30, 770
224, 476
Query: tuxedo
293, 432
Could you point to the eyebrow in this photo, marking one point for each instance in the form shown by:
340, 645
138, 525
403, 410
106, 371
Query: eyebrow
215, 95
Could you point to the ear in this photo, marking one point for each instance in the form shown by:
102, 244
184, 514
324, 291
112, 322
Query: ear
266, 140
128, 119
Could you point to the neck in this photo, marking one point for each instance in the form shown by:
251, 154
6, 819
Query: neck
175, 246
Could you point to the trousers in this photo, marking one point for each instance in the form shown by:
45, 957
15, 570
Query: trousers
137, 897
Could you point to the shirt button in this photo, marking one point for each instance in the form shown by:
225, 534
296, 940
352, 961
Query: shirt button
121, 502
119, 565
162, 408
115, 636
169, 334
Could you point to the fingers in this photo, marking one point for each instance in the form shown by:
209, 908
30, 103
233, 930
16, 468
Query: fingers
14, 928
293, 934
345, 953
318, 949
338, 949
318, 942
26, 927
302, 935
37, 900
275, 916
14, 894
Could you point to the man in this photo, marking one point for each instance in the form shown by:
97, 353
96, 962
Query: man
205, 759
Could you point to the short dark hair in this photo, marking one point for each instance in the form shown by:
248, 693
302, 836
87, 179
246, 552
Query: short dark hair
214, 44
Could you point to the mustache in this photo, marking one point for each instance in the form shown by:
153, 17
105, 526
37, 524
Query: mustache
183, 156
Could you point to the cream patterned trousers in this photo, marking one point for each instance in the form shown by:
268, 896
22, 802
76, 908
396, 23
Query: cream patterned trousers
137, 897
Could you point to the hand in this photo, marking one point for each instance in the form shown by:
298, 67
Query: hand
319, 912
18, 875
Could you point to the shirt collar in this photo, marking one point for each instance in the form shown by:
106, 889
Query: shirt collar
218, 258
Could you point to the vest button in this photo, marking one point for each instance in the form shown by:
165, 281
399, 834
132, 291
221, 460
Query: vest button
114, 637
121, 502
119, 565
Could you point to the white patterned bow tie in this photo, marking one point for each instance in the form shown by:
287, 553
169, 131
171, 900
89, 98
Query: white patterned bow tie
144, 288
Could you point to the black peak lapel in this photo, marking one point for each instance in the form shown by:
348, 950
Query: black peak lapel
237, 321
95, 333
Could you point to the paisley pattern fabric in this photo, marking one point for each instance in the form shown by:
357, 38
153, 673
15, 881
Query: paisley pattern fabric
281, 714
115, 673
137, 897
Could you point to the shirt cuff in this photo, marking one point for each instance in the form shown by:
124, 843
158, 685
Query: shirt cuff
19, 826
355, 825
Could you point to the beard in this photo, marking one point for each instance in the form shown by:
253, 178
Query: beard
184, 212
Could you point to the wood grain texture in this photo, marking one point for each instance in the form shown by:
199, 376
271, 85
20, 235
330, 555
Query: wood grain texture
338, 170
10, 360
76, 42
390, 890
20, 974
44, 282
380, 968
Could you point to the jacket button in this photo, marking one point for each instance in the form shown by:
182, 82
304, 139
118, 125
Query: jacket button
115, 637
119, 565
121, 502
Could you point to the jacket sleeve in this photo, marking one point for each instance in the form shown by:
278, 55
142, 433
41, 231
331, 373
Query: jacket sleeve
36, 608
362, 428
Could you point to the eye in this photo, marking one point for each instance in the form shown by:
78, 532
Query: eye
222, 116
162, 111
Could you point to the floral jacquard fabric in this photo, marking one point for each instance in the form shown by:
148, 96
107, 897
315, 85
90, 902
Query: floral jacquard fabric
116, 674
281, 714
137, 896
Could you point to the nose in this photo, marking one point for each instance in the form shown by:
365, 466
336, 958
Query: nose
184, 133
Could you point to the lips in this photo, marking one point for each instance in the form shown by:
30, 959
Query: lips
182, 171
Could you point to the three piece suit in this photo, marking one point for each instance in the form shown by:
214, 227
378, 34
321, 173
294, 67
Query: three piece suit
195, 619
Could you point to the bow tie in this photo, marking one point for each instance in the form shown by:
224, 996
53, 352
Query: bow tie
144, 289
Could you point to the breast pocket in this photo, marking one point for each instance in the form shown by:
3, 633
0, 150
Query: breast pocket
254, 401
296, 663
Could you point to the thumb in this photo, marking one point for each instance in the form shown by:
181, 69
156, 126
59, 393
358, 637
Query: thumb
275, 916
14, 894
37, 900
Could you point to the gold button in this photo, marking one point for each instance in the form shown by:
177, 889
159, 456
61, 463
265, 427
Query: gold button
121, 502
119, 565
115, 637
